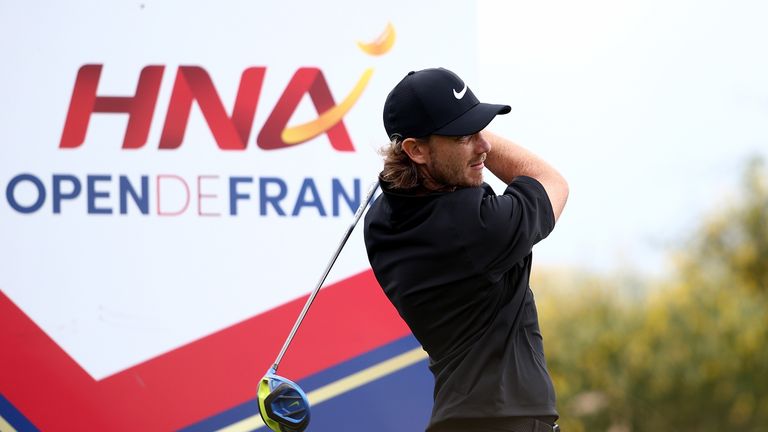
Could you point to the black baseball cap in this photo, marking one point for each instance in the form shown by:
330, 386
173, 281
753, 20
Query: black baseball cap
436, 101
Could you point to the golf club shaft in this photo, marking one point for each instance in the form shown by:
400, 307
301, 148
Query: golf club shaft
312, 296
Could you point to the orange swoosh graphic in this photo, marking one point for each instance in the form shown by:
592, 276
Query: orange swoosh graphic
306, 131
382, 44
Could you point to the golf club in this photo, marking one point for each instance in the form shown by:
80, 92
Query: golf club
283, 406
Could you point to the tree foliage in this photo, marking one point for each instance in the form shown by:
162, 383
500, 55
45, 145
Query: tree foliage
690, 353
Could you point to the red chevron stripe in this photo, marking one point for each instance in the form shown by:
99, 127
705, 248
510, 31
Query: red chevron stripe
197, 380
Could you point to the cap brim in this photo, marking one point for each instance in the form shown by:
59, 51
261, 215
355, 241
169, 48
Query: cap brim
473, 120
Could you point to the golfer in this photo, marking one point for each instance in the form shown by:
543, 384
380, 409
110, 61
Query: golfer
454, 258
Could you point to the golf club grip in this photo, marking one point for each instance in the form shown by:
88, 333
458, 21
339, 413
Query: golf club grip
358, 214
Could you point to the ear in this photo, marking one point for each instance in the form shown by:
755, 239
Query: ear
417, 150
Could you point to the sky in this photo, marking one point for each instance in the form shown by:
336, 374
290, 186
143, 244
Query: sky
650, 110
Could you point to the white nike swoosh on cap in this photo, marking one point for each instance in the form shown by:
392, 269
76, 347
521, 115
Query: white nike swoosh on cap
459, 95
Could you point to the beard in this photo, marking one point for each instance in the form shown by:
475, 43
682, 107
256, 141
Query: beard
451, 172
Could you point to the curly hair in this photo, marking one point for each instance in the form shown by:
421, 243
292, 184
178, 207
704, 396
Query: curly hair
399, 170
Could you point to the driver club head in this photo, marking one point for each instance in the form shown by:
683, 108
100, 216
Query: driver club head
283, 405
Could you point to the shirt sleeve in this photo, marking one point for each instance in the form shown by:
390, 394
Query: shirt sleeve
509, 225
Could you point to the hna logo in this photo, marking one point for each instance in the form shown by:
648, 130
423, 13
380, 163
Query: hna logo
231, 132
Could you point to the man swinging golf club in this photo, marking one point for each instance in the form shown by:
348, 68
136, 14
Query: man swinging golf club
454, 258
